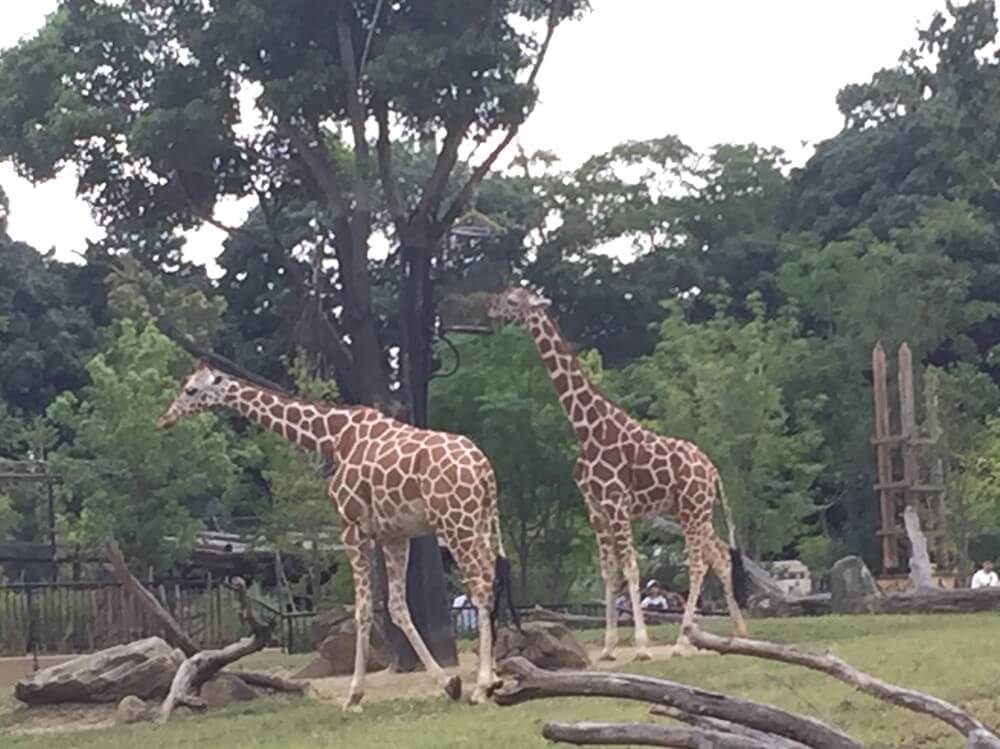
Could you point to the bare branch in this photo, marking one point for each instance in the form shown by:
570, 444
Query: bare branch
532, 683
172, 631
727, 727
386, 172
639, 734
319, 164
433, 191
461, 201
833, 666
356, 113
201, 667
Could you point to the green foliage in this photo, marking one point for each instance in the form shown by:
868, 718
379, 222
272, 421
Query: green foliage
502, 398
150, 490
721, 384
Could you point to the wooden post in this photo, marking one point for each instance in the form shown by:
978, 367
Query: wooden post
883, 457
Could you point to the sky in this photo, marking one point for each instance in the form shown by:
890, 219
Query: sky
713, 71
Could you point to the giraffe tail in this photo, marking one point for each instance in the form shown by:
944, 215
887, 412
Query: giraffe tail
739, 574
503, 586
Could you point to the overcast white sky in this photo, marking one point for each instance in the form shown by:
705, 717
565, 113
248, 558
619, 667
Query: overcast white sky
710, 72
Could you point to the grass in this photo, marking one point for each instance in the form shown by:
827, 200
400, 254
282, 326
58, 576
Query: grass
944, 655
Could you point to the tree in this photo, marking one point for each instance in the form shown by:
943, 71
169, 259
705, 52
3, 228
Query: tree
150, 490
144, 98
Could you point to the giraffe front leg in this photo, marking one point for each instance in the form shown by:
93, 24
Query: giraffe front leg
397, 554
632, 576
357, 547
610, 574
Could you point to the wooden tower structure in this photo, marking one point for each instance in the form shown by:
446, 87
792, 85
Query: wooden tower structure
910, 472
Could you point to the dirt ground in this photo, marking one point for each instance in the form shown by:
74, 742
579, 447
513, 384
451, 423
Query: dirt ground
378, 686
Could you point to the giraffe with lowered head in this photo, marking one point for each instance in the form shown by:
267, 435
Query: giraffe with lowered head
392, 482
624, 472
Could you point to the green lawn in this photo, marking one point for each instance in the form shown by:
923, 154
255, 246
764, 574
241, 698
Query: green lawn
946, 655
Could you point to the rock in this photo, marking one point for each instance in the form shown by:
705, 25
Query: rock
852, 586
318, 668
323, 625
132, 710
143, 668
225, 689
549, 645
338, 651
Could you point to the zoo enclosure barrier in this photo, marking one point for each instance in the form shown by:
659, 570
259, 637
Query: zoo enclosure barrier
55, 618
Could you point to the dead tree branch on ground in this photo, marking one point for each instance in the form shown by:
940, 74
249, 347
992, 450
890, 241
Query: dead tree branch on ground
831, 665
202, 666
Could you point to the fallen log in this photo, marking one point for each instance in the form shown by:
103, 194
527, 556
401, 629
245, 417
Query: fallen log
200, 666
967, 725
727, 727
541, 613
532, 683
962, 600
270, 681
203, 665
638, 734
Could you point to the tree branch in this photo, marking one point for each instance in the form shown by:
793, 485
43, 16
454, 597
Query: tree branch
461, 201
201, 667
172, 631
727, 727
829, 664
387, 174
639, 734
319, 164
433, 191
532, 683
356, 113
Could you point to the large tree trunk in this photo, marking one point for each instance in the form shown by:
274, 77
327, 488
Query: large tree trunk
427, 594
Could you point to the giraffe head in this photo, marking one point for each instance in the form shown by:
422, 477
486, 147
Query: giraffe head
201, 390
516, 304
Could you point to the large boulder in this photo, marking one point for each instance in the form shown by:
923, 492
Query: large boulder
339, 647
132, 710
143, 668
326, 623
549, 645
225, 689
852, 586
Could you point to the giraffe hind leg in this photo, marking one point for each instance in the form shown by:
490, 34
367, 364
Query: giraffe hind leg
723, 568
397, 553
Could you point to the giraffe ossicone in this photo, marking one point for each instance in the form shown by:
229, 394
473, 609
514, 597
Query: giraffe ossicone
392, 482
625, 472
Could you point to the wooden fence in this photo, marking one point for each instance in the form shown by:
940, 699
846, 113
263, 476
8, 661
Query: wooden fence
75, 617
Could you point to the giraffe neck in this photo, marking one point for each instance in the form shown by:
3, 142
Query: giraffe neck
313, 426
576, 393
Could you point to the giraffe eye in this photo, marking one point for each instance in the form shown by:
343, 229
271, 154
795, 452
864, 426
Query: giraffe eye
191, 391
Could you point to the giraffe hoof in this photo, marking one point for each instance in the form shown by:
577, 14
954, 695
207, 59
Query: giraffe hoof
478, 697
643, 655
453, 688
353, 704
606, 656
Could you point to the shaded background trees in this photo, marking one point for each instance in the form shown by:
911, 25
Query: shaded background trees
720, 296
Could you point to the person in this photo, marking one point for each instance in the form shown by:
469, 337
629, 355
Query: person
623, 603
675, 602
654, 598
467, 619
985, 577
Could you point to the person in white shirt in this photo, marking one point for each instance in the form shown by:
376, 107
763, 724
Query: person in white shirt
985, 577
468, 617
654, 598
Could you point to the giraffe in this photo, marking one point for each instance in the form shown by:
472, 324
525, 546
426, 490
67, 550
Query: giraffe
625, 472
392, 482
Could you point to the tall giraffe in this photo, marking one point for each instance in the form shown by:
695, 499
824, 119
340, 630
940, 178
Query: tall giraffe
392, 482
624, 472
